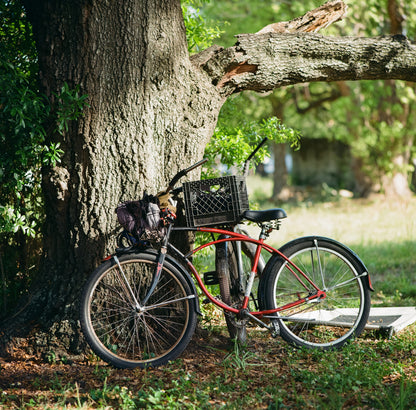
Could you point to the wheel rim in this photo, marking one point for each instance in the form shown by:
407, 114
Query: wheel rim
130, 334
321, 322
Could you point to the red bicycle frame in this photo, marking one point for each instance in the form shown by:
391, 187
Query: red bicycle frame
234, 237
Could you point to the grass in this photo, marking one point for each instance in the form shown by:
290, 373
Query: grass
381, 231
268, 374
370, 373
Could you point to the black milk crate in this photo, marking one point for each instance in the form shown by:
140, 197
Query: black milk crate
218, 201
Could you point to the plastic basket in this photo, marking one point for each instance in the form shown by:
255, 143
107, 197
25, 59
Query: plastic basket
219, 201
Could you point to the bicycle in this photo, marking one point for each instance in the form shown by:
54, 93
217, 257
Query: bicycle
139, 307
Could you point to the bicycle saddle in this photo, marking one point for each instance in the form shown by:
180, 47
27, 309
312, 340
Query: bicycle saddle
263, 216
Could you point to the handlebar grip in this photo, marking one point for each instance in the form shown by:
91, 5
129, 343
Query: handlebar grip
196, 165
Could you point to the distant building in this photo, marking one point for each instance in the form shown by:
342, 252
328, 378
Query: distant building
321, 161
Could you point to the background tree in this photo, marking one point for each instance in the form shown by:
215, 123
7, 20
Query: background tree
246, 16
152, 108
373, 118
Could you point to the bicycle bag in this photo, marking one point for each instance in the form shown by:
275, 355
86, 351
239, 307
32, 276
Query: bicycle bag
141, 218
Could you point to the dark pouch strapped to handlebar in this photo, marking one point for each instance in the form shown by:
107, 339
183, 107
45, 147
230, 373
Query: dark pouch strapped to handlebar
142, 218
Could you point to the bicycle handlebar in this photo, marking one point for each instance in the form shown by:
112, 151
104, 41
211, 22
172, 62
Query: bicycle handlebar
182, 173
247, 162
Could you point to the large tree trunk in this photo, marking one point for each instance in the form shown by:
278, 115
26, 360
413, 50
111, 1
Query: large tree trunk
149, 108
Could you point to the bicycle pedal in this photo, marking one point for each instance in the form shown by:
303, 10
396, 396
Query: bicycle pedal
211, 278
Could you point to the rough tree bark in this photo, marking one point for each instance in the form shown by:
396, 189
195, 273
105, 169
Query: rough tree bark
268, 61
152, 111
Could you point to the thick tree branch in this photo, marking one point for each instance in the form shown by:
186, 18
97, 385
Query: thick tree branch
268, 61
287, 53
312, 21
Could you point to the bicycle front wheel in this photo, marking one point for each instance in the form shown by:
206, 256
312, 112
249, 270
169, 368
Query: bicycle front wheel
322, 322
126, 334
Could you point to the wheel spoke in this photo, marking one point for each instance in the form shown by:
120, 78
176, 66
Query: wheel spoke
127, 335
332, 269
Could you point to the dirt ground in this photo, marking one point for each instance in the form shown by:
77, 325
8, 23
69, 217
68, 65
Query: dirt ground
29, 382
24, 378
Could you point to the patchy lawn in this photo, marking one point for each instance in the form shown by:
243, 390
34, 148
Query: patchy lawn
214, 373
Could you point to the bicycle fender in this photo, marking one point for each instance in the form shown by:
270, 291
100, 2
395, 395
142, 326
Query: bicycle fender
358, 261
185, 274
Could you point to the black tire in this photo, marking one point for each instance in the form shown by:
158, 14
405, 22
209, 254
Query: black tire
232, 287
320, 323
125, 336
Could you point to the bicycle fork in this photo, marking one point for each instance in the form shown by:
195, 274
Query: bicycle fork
139, 306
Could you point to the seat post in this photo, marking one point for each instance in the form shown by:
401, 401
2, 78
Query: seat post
265, 231
267, 228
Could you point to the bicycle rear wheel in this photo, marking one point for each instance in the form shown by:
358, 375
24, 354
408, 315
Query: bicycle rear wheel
126, 336
232, 284
230, 288
319, 323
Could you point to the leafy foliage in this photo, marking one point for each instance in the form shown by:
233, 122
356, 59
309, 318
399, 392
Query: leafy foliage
232, 145
20, 128
24, 137
233, 140
16, 42
200, 32
249, 16
24, 113
375, 118
29, 125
